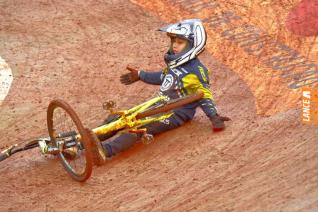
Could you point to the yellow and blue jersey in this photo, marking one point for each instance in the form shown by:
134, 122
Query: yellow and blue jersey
183, 80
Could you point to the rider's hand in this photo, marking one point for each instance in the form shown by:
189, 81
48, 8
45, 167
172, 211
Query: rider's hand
218, 122
130, 77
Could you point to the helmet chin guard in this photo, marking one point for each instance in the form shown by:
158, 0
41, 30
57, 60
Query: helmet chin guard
194, 32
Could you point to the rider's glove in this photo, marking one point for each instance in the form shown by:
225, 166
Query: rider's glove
130, 77
218, 122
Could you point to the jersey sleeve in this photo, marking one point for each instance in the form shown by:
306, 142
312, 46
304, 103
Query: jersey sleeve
192, 84
154, 78
208, 106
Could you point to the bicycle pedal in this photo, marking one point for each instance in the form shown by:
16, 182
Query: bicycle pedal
109, 105
147, 138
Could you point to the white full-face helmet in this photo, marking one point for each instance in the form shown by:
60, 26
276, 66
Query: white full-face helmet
193, 31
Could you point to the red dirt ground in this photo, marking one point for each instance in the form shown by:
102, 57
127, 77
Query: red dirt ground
76, 51
303, 19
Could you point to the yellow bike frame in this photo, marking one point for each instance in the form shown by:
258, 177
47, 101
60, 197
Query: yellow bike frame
128, 121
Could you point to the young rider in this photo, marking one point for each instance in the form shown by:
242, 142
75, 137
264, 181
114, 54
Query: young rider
184, 75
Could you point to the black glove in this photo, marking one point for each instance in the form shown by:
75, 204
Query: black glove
218, 122
130, 77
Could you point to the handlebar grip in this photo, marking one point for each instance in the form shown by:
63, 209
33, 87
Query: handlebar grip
3, 156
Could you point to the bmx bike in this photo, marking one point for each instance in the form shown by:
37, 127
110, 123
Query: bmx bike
66, 131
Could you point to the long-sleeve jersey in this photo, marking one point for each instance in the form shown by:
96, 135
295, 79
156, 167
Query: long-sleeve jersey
183, 80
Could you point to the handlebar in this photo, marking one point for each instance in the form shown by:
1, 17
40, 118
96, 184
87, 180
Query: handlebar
14, 149
3, 156
7, 152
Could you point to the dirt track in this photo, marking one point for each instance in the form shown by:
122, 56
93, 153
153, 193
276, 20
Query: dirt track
77, 50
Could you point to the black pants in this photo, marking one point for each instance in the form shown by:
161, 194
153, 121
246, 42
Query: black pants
127, 140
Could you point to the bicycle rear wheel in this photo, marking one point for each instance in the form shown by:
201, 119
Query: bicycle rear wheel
62, 118
170, 105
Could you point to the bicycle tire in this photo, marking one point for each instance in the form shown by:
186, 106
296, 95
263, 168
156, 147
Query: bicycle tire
170, 105
85, 139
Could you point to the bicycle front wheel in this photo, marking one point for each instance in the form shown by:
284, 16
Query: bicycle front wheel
61, 118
